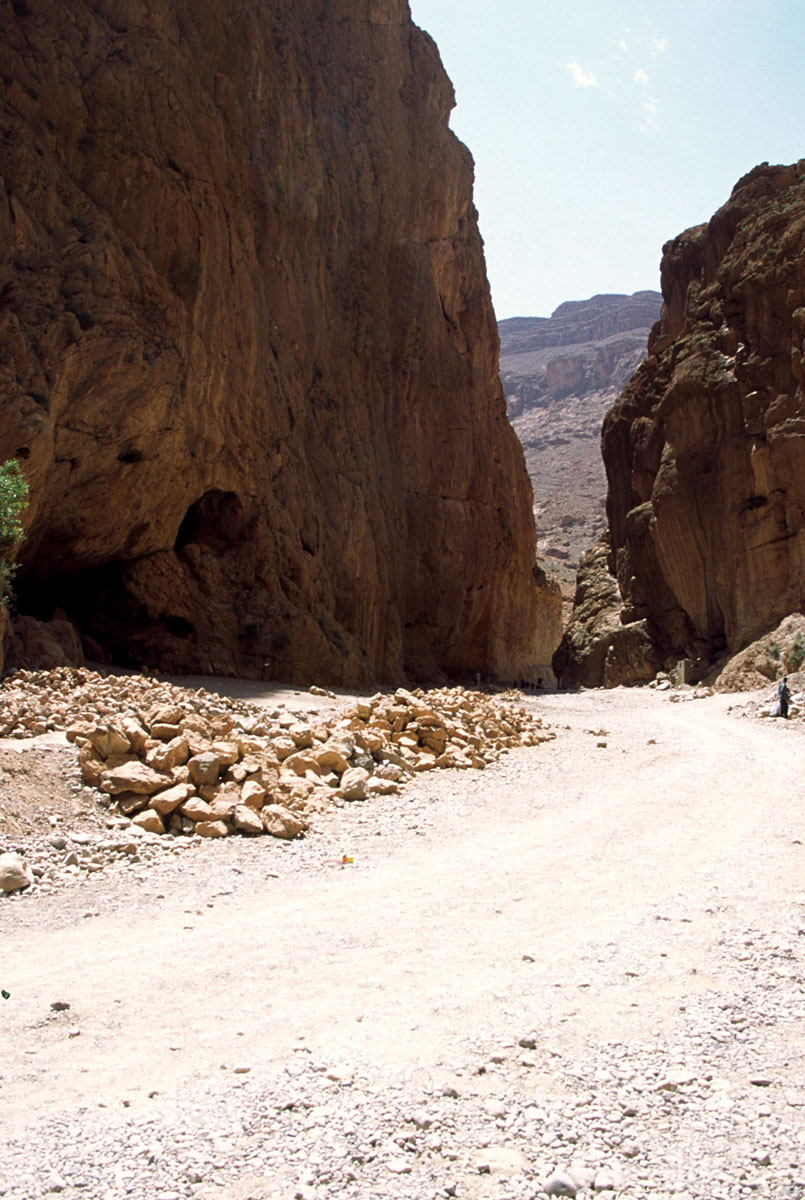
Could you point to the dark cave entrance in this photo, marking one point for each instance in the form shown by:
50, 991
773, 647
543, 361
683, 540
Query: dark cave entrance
114, 625
215, 520
97, 603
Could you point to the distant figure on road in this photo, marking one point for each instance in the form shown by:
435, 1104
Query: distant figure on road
783, 697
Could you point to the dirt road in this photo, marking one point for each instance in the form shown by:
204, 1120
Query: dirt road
248, 1020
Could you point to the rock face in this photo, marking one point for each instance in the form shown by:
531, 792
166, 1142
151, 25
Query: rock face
705, 449
560, 374
249, 360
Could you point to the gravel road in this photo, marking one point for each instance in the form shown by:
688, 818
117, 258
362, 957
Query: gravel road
579, 971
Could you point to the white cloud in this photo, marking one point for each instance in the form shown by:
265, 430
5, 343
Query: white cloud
641, 77
659, 46
651, 108
581, 78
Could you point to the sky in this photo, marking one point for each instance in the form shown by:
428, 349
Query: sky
601, 129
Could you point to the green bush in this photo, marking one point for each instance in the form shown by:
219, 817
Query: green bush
797, 654
13, 499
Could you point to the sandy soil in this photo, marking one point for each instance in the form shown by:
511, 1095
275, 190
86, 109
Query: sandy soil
610, 888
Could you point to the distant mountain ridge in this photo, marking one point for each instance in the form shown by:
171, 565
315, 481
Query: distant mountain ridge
560, 374
577, 321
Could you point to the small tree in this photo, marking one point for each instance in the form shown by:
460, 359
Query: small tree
13, 499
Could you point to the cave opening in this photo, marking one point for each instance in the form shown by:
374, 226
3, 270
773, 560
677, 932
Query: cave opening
215, 520
97, 603
113, 625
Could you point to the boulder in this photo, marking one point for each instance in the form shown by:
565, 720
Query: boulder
302, 762
335, 754
252, 794
223, 806
204, 768
353, 783
15, 874
172, 798
131, 802
283, 747
108, 741
196, 809
228, 752
280, 822
246, 820
132, 777
164, 732
212, 829
149, 820
40, 645
164, 714
170, 754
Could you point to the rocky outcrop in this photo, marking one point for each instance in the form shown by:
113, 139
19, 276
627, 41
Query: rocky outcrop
705, 449
779, 652
597, 648
248, 358
560, 374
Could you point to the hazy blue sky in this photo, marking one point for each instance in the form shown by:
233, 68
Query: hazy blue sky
602, 128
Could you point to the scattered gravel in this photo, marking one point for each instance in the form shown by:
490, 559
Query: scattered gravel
579, 971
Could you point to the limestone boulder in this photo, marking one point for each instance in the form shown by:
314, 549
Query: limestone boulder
108, 741
252, 794
302, 762
41, 645
246, 820
353, 783
133, 776
280, 822
335, 754
15, 874
130, 803
212, 829
204, 768
169, 800
779, 652
149, 820
169, 754
196, 809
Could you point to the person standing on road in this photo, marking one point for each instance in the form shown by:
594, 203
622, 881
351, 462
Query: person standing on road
783, 696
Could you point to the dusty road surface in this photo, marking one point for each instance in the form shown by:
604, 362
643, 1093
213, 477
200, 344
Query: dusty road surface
579, 971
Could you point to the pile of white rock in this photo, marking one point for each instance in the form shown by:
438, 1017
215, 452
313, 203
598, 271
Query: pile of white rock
184, 762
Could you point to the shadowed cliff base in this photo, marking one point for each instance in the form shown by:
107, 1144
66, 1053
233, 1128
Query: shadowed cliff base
249, 357
705, 454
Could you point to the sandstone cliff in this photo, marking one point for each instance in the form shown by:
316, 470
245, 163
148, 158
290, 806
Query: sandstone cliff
560, 374
705, 449
247, 352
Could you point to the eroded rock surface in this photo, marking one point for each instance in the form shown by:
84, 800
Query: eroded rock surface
705, 449
249, 360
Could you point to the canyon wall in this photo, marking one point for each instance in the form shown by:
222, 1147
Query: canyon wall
705, 452
248, 358
560, 374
